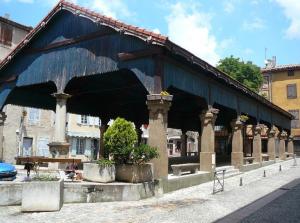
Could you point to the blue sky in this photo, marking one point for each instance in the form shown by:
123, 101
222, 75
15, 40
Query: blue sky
211, 29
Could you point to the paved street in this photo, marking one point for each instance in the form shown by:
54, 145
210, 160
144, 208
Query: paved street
195, 204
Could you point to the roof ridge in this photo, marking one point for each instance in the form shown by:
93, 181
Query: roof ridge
114, 23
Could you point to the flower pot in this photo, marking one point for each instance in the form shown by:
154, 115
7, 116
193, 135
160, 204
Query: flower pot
42, 196
97, 173
134, 173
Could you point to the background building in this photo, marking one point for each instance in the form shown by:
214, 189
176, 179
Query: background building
28, 131
282, 87
11, 34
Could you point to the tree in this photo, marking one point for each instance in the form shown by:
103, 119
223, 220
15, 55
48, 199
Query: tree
245, 72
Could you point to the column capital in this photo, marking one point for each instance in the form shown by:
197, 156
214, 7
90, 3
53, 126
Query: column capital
209, 116
157, 102
237, 124
283, 135
291, 138
61, 96
272, 132
257, 129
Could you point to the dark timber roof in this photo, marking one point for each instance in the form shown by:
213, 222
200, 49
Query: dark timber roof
148, 36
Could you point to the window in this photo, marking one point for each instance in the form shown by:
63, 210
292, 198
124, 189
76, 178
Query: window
33, 115
266, 80
80, 146
295, 122
84, 119
291, 73
6, 34
291, 91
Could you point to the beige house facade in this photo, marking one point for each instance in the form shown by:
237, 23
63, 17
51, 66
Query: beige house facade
83, 134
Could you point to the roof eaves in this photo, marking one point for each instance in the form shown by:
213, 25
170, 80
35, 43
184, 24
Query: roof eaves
221, 75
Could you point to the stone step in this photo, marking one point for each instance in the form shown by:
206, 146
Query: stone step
227, 168
230, 171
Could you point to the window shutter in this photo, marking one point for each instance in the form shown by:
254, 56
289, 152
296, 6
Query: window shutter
78, 119
90, 120
73, 146
88, 146
96, 121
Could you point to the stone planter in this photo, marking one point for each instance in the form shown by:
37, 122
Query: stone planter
134, 173
42, 196
96, 173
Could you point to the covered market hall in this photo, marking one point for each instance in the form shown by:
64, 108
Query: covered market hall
82, 62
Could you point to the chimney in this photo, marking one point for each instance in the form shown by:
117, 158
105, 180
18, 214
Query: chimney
271, 63
6, 15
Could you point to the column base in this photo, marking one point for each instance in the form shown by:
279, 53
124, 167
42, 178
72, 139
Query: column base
237, 159
257, 157
59, 149
207, 161
272, 156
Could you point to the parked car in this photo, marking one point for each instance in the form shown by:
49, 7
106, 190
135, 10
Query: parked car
7, 172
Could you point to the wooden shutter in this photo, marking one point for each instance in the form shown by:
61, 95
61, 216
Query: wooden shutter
6, 32
291, 91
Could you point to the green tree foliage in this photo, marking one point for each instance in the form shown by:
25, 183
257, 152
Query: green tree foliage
245, 72
119, 138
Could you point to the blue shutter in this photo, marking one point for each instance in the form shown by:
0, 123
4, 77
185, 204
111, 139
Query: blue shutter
73, 146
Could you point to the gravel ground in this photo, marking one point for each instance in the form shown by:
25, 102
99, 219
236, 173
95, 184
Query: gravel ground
194, 204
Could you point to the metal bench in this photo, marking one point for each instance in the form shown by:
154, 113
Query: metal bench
248, 160
179, 168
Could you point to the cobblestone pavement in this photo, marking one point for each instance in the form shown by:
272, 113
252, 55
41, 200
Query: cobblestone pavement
194, 204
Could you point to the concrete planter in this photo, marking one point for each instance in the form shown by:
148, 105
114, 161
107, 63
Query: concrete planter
96, 173
134, 173
42, 196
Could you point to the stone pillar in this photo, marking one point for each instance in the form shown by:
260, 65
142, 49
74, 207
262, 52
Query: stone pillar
2, 120
237, 154
183, 143
282, 138
291, 144
271, 143
158, 106
101, 153
207, 154
59, 147
257, 144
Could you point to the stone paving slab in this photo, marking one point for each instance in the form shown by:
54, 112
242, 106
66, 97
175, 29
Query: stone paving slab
194, 204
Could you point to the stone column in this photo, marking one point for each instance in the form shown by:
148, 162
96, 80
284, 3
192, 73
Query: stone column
158, 106
183, 143
101, 141
59, 147
271, 143
257, 144
2, 120
282, 138
237, 154
291, 144
207, 154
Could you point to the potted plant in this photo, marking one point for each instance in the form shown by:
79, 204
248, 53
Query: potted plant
244, 118
43, 193
131, 160
102, 171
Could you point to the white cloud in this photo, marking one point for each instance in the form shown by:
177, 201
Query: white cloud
291, 9
191, 29
226, 43
229, 6
26, 1
156, 30
113, 8
248, 51
255, 24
